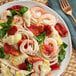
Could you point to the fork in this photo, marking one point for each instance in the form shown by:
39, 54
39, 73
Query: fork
65, 6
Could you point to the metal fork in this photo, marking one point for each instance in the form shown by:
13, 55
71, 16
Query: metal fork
65, 6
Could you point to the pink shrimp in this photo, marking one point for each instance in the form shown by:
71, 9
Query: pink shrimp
36, 10
53, 44
36, 66
22, 46
34, 74
18, 20
50, 19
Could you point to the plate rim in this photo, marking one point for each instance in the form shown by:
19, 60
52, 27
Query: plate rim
70, 41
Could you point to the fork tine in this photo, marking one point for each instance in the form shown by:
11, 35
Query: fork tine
64, 3
61, 4
67, 2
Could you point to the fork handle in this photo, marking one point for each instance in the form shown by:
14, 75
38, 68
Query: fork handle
73, 18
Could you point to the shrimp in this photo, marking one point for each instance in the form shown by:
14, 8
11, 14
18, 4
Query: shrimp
34, 74
32, 49
37, 11
53, 44
4, 15
18, 20
25, 50
47, 19
36, 66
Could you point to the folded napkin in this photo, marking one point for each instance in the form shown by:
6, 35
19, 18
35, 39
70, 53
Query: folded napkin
54, 4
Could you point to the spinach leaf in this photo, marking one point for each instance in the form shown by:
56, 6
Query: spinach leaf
3, 24
40, 45
28, 75
4, 31
23, 10
7, 23
6, 27
10, 20
61, 56
20, 13
14, 12
2, 52
64, 45
41, 37
29, 66
62, 53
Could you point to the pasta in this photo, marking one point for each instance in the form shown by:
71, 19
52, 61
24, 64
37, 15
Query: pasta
32, 39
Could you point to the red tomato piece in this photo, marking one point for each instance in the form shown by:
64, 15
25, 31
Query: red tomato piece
22, 66
9, 49
46, 49
16, 7
36, 30
48, 30
61, 30
19, 43
12, 31
54, 67
51, 61
33, 59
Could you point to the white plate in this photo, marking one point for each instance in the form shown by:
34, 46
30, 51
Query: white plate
60, 20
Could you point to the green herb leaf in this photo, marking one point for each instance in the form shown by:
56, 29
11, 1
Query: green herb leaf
4, 31
23, 10
3, 24
29, 66
10, 20
20, 13
28, 75
5, 28
40, 45
41, 37
62, 53
2, 52
64, 45
14, 12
